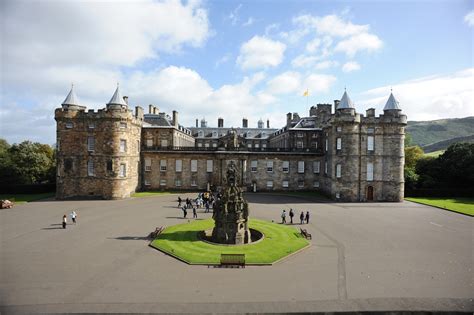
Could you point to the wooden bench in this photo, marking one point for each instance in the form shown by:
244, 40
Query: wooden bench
155, 233
233, 260
306, 234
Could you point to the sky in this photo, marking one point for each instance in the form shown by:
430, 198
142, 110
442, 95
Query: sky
233, 59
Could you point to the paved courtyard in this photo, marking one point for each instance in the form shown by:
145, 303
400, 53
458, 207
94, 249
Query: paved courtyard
370, 256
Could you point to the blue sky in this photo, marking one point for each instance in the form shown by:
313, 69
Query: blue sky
233, 59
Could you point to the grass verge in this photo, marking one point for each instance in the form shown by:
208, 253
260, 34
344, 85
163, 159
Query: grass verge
181, 241
461, 205
22, 198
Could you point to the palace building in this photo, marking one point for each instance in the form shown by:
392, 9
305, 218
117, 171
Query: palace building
114, 152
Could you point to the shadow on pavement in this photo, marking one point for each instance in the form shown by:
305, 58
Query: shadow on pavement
130, 238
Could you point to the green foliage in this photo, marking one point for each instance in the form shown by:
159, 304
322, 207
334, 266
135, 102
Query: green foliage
412, 155
408, 139
427, 132
26, 163
462, 205
22, 198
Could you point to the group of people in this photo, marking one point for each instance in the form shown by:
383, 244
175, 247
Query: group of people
291, 214
73, 216
203, 200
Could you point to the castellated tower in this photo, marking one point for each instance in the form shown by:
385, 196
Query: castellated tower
98, 153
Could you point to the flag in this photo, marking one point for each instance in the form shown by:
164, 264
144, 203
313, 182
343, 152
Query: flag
306, 93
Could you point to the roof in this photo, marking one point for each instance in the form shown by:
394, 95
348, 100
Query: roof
117, 98
71, 98
345, 102
392, 103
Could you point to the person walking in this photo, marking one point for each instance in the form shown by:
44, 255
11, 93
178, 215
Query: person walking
302, 217
307, 217
283, 217
179, 201
73, 216
194, 213
292, 214
64, 221
185, 212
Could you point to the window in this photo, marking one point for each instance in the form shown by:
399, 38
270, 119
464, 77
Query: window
214, 134
90, 168
194, 166
162, 182
370, 130
264, 145
163, 165
123, 145
269, 166
299, 144
147, 182
326, 167
199, 144
214, 145
178, 182
338, 195
249, 145
339, 129
316, 166
138, 145
123, 125
149, 142
338, 144
147, 165
206, 145
269, 184
110, 166
253, 166
314, 144
123, 170
69, 125
209, 166
90, 144
299, 135
257, 145
193, 182
300, 183
164, 143
300, 167
179, 166
286, 166
91, 125
285, 184
326, 145
316, 184
200, 134
67, 165
370, 171
338, 170
370, 143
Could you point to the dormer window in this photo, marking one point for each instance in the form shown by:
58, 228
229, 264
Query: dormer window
200, 134
214, 134
69, 125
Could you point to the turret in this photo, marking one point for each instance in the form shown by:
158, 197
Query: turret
260, 123
117, 102
72, 102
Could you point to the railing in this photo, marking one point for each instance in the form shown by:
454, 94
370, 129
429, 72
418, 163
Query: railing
240, 149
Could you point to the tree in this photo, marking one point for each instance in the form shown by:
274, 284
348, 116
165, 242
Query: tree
412, 154
457, 165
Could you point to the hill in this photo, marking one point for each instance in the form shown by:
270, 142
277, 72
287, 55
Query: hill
439, 134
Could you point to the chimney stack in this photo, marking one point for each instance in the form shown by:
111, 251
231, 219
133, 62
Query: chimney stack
220, 122
154, 110
245, 123
150, 109
268, 123
197, 123
175, 119
288, 120
370, 112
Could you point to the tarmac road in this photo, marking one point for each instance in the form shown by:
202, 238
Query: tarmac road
363, 257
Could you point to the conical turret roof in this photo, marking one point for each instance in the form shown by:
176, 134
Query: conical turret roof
117, 98
345, 102
392, 103
71, 98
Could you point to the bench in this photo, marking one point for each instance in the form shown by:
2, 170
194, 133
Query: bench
155, 233
233, 260
305, 234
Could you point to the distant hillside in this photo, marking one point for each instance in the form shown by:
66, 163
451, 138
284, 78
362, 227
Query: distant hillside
439, 134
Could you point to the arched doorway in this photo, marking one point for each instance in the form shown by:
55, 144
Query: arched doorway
370, 193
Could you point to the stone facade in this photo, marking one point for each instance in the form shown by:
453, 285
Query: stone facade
344, 154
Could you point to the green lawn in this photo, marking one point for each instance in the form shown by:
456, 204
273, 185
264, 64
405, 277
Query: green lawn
22, 198
462, 205
435, 154
182, 241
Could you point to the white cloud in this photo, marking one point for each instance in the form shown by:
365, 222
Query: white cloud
222, 60
469, 18
284, 83
360, 42
313, 45
319, 83
249, 22
260, 52
234, 15
271, 28
304, 61
330, 25
434, 97
350, 66
326, 64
